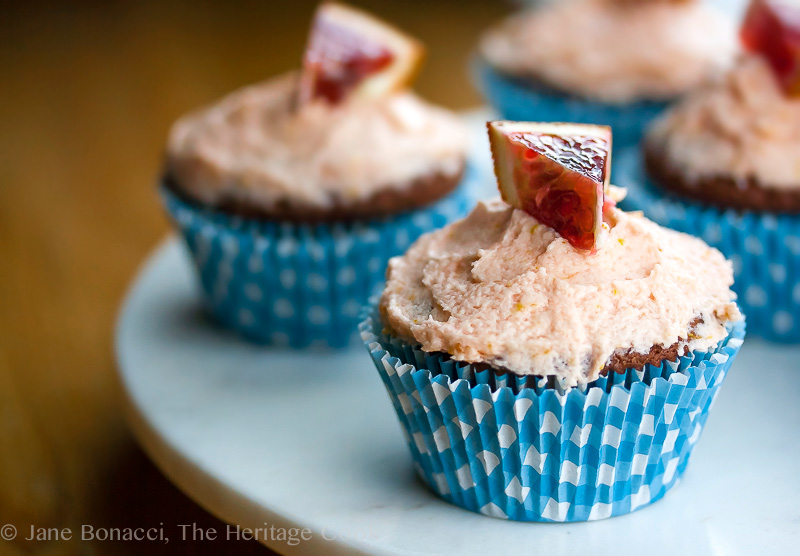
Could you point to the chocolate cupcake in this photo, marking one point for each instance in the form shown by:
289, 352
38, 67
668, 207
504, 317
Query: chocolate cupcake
540, 376
612, 62
734, 144
256, 154
292, 194
500, 288
725, 164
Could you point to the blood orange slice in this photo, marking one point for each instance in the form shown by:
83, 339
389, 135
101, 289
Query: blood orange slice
349, 52
557, 173
771, 29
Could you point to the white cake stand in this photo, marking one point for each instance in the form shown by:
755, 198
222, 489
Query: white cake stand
308, 439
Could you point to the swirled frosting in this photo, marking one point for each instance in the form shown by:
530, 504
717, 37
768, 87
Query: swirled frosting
254, 147
742, 126
500, 288
600, 49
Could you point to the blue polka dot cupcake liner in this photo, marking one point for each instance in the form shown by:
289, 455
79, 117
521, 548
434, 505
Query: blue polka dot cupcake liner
528, 100
500, 446
294, 284
763, 247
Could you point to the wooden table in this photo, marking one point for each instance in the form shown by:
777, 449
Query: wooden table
87, 94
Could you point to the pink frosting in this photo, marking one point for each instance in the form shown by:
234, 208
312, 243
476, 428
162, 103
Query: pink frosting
500, 288
253, 146
617, 53
742, 126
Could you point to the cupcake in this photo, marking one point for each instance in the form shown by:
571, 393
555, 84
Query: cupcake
615, 62
292, 194
725, 164
551, 357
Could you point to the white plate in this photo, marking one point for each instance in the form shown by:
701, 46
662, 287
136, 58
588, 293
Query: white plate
309, 439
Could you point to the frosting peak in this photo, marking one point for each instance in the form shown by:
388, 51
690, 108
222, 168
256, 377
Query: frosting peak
598, 49
500, 288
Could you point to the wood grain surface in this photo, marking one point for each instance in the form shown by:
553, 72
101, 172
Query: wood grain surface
87, 93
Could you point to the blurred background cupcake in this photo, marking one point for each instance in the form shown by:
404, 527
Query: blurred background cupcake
292, 194
555, 363
614, 62
725, 164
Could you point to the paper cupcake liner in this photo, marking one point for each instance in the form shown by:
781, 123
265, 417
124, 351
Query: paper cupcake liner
491, 445
526, 100
763, 247
297, 284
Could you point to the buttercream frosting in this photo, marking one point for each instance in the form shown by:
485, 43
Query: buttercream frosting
500, 288
616, 53
743, 126
253, 146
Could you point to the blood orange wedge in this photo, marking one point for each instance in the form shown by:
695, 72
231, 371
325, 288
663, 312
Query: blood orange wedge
557, 173
771, 29
350, 52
